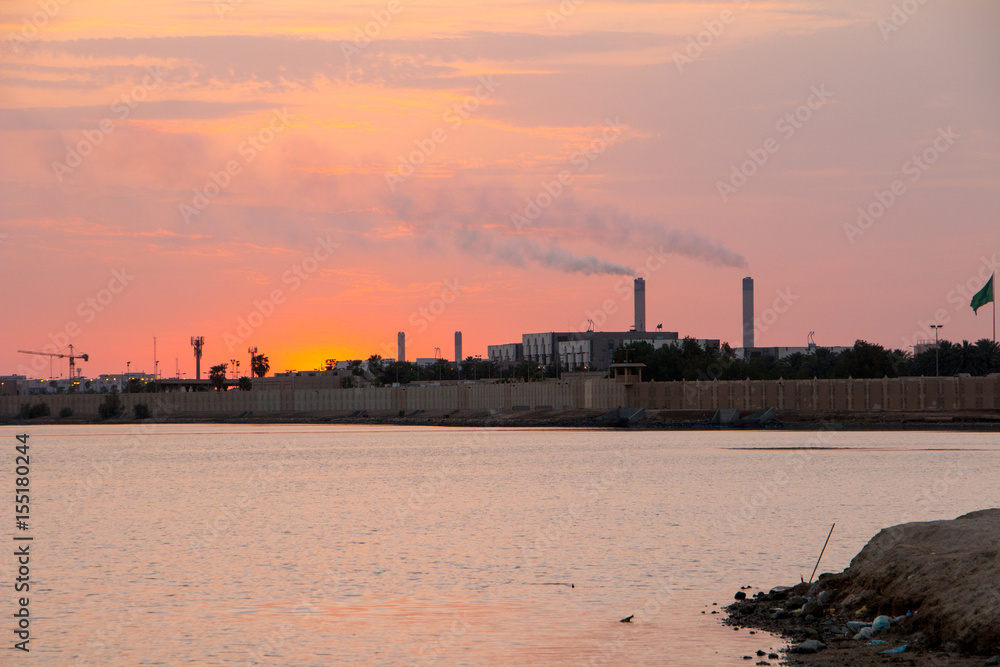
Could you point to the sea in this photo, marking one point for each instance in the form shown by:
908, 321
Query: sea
293, 544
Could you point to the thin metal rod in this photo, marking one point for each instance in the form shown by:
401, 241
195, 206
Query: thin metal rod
821, 553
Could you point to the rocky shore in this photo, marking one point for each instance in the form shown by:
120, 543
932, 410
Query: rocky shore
925, 594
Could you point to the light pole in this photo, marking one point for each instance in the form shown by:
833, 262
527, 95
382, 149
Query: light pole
128, 376
937, 351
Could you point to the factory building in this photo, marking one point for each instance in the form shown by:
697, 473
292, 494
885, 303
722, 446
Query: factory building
508, 353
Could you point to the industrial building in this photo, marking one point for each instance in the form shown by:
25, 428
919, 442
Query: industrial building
584, 350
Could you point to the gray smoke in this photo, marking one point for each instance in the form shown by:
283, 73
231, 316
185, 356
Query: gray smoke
620, 228
520, 252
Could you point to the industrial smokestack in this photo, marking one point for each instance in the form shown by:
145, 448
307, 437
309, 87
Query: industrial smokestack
401, 347
458, 349
747, 315
640, 304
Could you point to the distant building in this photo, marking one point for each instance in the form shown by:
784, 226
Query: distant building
400, 347
508, 353
574, 349
308, 380
13, 385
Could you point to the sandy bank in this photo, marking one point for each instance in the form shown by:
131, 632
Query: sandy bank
938, 580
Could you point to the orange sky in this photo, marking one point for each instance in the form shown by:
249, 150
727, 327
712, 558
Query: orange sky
312, 180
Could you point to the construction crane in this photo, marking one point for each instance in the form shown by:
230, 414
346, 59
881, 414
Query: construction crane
72, 359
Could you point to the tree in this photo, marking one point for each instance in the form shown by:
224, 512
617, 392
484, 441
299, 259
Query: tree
217, 376
865, 360
246, 384
259, 365
111, 406
375, 367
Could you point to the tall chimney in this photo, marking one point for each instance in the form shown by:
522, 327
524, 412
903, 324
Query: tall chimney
747, 315
458, 349
401, 347
640, 304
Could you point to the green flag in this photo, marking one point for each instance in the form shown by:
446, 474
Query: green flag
983, 296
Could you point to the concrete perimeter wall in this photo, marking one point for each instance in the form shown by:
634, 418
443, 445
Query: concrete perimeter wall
897, 394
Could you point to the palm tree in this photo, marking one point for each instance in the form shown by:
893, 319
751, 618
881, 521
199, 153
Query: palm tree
260, 365
217, 376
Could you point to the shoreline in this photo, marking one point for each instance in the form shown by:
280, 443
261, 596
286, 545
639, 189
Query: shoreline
650, 420
921, 593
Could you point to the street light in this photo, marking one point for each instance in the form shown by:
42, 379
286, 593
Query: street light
937, 351
128, 376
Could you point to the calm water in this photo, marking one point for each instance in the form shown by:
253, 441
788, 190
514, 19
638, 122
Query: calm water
332, 545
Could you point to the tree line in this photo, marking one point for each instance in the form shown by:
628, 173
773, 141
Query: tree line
690, 361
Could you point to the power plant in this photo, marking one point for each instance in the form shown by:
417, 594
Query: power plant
747, 315
639, 292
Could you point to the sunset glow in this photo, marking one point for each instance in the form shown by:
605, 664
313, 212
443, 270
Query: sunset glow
310, 179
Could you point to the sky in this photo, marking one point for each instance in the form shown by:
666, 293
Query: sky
310, 178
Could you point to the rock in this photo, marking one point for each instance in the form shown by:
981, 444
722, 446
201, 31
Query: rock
951, 647
781, 614
801, 589
995, 660
795, 602
812, 608
773, 656
779, 593
740, 595
760, 653
854, 627
880, 623
808, 646
826, 597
